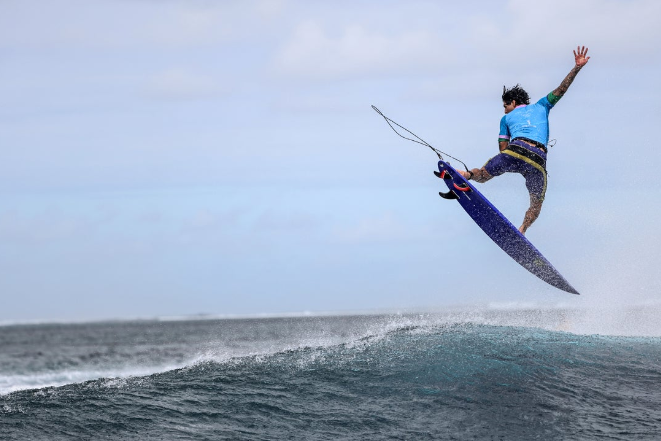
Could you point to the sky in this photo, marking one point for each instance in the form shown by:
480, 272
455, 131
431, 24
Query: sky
169, 158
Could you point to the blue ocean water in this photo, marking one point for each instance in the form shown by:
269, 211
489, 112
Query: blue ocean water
399, 377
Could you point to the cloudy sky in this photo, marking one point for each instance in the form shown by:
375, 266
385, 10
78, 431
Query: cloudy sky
165, 158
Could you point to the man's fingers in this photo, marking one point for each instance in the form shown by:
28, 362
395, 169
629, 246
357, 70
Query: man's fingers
582, 52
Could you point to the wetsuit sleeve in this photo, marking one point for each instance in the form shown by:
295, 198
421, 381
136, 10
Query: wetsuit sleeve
553, 99
504, 134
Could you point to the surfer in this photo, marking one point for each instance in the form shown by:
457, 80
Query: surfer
523, 139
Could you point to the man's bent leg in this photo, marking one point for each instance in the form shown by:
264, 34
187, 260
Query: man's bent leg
532, 214
480, 175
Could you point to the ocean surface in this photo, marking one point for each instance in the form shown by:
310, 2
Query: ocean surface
482, 374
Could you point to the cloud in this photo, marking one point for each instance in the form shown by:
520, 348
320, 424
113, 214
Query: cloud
130, 25
313, 53
533, 35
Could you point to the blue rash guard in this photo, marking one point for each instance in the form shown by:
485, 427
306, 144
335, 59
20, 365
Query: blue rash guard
527, 123
531, 121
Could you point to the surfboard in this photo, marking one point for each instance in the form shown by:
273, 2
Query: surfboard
499, 228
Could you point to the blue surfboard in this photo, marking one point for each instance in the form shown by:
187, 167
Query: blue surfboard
498, 228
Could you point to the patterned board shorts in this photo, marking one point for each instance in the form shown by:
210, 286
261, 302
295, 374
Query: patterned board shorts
522, 158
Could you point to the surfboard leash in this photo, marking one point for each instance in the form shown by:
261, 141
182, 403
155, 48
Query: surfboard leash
419, 140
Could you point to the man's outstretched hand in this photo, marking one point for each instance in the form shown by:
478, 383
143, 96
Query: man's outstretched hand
581, 57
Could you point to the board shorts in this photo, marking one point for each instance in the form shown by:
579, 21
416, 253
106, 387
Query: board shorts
525, 159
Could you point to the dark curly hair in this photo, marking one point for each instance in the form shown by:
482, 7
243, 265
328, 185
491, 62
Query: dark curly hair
517, 94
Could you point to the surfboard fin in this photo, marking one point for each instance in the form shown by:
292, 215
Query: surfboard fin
448, 195
443, 175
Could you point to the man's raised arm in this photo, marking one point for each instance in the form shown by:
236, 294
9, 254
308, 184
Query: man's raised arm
581, 59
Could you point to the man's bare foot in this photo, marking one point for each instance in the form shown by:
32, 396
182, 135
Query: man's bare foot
523, 232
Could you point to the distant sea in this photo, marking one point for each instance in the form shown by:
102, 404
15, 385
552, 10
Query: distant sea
510, 374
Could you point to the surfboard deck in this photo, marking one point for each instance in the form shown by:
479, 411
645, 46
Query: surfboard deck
499, 228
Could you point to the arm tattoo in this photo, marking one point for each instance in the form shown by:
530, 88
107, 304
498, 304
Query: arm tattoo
562, 88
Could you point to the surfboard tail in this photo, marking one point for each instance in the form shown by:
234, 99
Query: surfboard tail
499, 228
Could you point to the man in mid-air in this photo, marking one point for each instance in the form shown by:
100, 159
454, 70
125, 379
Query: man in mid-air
523, 139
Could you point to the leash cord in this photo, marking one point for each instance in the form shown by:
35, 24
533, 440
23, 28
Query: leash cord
419, 140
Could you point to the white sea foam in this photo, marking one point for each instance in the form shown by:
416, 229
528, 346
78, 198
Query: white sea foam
41, 380
633, 320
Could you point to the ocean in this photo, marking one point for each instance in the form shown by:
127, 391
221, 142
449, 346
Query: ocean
510, 374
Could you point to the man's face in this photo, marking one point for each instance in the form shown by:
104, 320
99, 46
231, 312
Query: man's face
509, 106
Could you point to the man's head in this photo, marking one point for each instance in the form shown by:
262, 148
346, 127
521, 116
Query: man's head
513, 97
